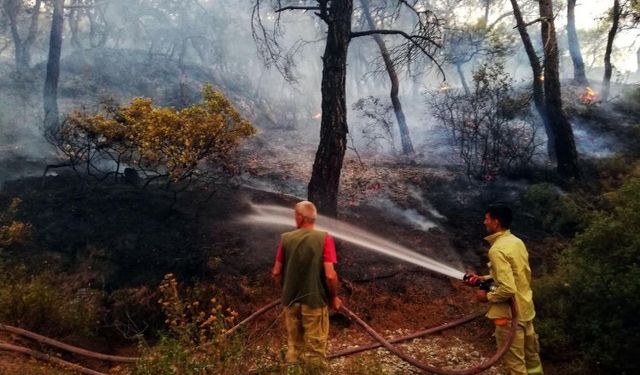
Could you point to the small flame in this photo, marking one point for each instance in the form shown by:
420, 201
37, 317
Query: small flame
541, 77
317, 116
588, 96
444, 87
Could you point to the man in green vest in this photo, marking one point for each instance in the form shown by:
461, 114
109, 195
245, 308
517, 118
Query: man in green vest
304, 268
510, 271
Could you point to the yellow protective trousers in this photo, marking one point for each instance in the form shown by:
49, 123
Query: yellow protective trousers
307, 333
523, 357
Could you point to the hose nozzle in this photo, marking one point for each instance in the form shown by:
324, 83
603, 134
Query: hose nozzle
478, 282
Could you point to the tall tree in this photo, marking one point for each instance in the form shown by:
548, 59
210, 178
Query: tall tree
337, 16
50, 93
579, 75
538, 78
566, 154
487, 9
22, 46
608, 68
405, 137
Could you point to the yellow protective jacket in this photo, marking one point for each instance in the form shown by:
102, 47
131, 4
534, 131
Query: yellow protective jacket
509, 268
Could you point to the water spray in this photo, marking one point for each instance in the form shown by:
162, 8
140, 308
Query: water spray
276, 215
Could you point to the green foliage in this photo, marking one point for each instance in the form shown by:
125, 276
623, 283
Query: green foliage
591, 304
164, 143
629, 102
170, 357
554, 210
13, 232
614, 172
197, 342
47, 303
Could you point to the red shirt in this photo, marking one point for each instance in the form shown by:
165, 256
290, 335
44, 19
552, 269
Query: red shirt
328, 252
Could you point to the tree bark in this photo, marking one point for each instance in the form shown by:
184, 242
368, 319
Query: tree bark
608, 68
538, 88
463, 80
487, 7
579, 75
325, 177
405, 137
567, 156
74, 24
638, 61
50, 93
22, 48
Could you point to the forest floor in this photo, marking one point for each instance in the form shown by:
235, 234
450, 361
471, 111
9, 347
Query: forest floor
114, 236
119, 239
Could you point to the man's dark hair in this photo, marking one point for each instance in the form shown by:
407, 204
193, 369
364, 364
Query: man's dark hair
502, 213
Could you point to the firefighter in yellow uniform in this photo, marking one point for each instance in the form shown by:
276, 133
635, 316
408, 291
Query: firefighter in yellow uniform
510, 271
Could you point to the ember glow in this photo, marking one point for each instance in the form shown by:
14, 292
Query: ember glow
444, 87
317, 116
588, 96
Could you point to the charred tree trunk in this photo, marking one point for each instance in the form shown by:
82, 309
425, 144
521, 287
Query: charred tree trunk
405, 138
325, 178
538, 88
579, 75
50, 94
565, 146
608, 68
463, 80
22, 47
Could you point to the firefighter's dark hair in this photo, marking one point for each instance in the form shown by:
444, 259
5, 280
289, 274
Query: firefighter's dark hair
502, 213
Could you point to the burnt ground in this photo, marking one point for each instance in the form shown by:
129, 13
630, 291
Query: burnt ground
122, 240
116, 238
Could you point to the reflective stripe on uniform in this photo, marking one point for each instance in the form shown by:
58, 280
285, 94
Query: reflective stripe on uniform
536, 370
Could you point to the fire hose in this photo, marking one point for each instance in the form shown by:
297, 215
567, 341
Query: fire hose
412, 361
381, 342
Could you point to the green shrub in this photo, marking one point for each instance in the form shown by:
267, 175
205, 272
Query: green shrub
554, 210
47, 304
591, 303
197, 342
13, 232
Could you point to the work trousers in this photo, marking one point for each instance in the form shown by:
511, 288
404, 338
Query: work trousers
523, 357
307, 333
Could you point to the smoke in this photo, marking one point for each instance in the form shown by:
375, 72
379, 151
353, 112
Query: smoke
281, 216
128, 48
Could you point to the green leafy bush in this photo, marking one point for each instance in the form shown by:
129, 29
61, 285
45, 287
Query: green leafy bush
13, 232
46, 303
197, 342
590, 305
554, 210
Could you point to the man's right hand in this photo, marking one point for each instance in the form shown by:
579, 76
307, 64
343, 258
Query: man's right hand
472, 279
336, 303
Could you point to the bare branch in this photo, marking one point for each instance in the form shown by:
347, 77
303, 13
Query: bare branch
398, 32
500, 18
291, 7
413, 40
530, 23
